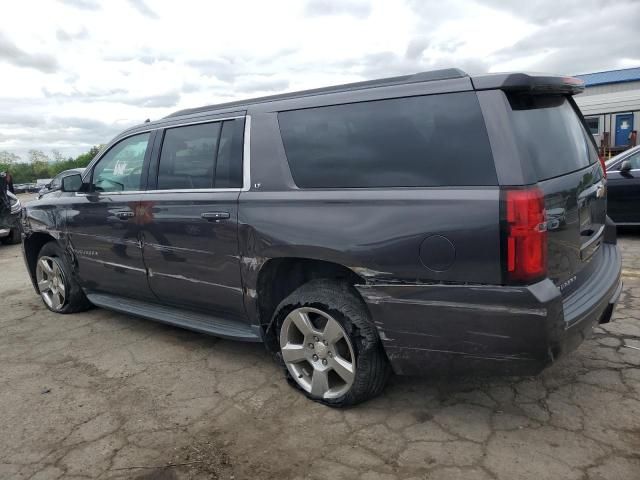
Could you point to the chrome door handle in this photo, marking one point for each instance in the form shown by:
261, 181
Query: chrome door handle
124, 214
215, 215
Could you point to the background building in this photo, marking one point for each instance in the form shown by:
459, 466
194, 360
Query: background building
611, 106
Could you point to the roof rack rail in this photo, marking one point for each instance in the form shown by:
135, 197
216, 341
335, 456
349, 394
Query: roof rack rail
430, 76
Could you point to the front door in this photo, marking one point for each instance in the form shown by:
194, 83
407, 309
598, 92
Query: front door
624, 191
190, 231
624, 125
102, 225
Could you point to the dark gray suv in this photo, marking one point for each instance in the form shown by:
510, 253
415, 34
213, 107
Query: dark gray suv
430, 223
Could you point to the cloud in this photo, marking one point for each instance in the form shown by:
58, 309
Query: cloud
82, 4
586, 43
118, 95
142, 8
250, 85
10, 53
355, 8
64, 36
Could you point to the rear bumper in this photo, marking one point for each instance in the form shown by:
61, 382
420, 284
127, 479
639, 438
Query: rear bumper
444, 329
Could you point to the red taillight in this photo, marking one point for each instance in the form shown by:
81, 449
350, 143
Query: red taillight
526, 235
604, 168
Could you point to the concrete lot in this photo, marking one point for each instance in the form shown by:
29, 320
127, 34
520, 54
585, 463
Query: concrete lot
104, 395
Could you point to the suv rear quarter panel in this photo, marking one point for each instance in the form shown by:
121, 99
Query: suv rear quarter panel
377, 233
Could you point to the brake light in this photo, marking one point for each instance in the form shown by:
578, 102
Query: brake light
604, 168
526, 235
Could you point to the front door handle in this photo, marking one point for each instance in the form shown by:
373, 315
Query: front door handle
210, 216
124, 214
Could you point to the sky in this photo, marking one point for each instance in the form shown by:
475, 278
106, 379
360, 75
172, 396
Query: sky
74, 73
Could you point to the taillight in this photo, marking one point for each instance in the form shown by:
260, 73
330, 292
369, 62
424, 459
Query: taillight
525, 235
604, 168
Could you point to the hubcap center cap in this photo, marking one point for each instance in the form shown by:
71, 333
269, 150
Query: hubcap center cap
321, 349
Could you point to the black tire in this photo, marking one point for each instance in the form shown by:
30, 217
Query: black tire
342, 302
14, 237
76, 300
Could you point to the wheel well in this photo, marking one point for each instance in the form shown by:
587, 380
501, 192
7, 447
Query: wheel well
281, 276
32, 246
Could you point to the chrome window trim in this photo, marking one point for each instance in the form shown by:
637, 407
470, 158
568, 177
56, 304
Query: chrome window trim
246, 156
246, 161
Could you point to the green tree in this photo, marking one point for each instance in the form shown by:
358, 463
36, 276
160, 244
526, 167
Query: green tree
8, 158
41, 166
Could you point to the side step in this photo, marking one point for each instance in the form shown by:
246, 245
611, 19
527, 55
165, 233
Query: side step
198, 322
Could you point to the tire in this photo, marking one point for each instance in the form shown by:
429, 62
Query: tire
14, 238
58, 272
355, 365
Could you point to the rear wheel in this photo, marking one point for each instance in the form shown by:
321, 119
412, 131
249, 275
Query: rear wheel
58, 289
328, 345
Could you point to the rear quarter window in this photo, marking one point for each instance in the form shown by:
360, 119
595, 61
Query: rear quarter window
551, 134
427, 141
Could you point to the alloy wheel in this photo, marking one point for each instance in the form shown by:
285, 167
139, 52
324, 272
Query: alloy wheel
317, 352
50, 280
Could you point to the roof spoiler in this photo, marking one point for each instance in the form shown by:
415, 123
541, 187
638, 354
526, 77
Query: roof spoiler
533, 83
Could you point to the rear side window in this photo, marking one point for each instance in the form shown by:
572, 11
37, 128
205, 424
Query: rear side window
201, 156
551, 134
429, 141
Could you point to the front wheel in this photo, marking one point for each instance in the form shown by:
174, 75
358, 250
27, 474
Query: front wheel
329, 346
58, 288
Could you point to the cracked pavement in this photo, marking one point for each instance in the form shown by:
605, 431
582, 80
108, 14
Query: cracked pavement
104, 395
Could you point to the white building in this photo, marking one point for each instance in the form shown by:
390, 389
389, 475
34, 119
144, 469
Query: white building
611, 103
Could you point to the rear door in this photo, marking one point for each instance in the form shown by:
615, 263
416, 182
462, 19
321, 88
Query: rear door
190, 232
556, 146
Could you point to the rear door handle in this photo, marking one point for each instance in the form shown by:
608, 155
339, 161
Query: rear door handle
210, 216
124, 214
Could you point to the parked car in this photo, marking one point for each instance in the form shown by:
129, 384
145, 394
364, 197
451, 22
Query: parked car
53, 187
389, 225
623, 186
10, 211
20, 188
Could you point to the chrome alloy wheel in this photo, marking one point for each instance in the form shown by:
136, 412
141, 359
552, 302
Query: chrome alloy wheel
317, 352
51, 282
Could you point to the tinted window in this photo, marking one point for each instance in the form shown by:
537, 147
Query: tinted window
229, 162
188, 157
199, 156
551, 135
56, 183
408, 142
120, 169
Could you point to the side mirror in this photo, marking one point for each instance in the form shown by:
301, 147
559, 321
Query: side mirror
48, 186
72, 183
625, 167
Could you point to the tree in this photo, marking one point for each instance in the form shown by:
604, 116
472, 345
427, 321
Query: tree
40, 163
56, 156
8, 158
41, 166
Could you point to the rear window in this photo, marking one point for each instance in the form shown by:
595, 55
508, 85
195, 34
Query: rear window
551, 134
428, 141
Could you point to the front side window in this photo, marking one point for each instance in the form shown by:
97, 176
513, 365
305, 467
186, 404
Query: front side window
56, 183
634, 160
201, 156
120, 169
427, 141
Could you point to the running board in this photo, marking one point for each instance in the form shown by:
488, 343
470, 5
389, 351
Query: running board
198, 322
